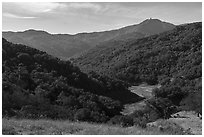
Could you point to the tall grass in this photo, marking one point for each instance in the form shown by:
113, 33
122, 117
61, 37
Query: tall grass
57, 127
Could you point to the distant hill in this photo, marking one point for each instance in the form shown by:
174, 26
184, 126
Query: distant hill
61, 46
65, 45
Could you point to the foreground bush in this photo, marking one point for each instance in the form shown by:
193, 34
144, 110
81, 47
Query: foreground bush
124, 121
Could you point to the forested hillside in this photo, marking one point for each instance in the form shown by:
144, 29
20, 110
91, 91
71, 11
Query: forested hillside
172, 59
173, 53
36, 84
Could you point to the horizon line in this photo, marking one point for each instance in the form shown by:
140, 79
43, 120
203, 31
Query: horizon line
84, 32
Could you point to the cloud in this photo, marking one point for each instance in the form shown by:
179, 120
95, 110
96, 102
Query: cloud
9, 15
28, 10
47, 10
34, 7
85, 5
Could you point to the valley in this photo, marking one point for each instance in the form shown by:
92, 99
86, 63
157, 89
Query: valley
101, 68
100, 89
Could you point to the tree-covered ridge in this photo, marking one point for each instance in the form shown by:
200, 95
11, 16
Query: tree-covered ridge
172, 59
170, 54
36, 84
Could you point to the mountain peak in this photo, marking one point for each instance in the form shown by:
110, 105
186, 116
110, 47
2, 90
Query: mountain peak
150, 20
154, 26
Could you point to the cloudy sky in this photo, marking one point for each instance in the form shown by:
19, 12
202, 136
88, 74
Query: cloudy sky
73, 18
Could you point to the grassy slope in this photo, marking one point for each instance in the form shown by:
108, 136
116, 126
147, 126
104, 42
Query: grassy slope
51, 127
188, 120
142, 90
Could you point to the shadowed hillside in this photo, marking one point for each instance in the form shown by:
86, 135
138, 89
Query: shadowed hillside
36, 84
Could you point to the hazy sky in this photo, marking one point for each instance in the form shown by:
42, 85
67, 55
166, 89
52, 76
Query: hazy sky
88, 17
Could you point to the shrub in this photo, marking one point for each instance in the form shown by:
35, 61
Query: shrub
163, 106
98, 117
165, 81
173, 93
124, 121
82, 114
193, 102
25, 58
140, 121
